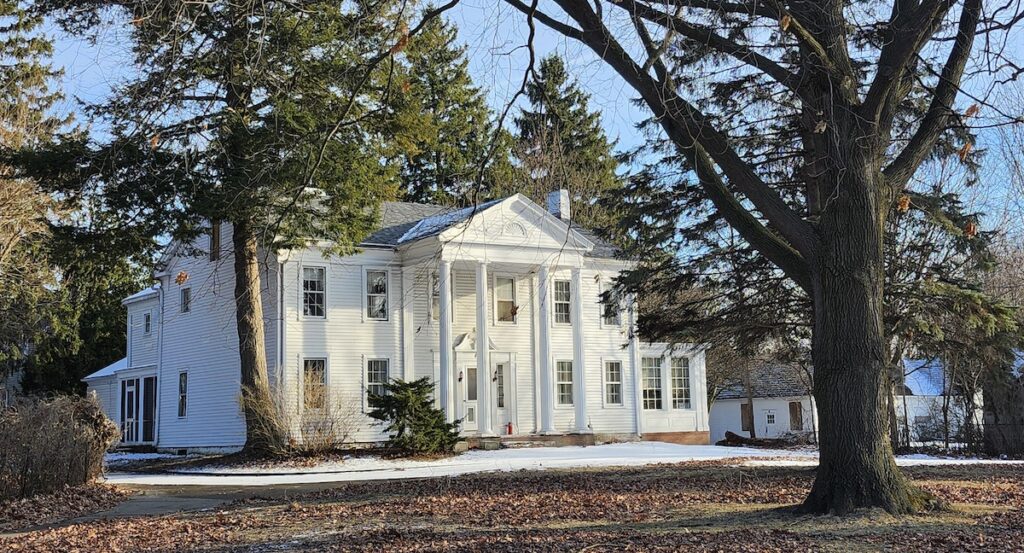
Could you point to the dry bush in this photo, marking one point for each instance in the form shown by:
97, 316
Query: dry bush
48, 444
323, 426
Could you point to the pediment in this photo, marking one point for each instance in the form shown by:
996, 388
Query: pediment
518, 222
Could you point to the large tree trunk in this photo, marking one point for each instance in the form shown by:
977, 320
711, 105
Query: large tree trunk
263, 433
856, 467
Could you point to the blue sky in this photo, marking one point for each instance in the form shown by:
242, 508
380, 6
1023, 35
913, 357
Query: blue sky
495, 35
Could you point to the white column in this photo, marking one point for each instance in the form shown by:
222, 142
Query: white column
483, 358
444, 274
579, 349
547, 414
634, 367
408, 294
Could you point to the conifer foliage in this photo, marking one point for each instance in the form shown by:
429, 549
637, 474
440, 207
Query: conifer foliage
417, 426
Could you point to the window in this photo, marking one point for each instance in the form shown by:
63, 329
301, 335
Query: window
746, 417
215, 241
769, 417
650, 368
499, 379
186, 300
563, 301
147, 323
796, 416
376, 376
613, 382
314, 292
314, 383
680, 383
505, 299
609, 300
435, 297
377, 295
563, 379
182, 394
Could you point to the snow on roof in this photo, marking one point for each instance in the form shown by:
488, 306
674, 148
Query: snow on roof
434, 224
923, 377
109, 370
141, 294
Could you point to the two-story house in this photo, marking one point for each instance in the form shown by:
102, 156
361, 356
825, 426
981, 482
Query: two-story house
500, 305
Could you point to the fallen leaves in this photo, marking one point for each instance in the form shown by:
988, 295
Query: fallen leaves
67, 504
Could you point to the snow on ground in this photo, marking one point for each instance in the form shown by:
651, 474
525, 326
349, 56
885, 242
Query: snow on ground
111, 459
534, 458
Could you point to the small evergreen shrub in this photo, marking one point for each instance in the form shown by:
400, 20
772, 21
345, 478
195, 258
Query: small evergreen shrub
416, 426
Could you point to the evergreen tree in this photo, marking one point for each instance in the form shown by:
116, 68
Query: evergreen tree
560, 144
408, 413
26, 102
443, 165
270, 116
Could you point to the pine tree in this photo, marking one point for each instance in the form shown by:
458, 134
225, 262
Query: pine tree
26, 102
408, 413
273, 117
444, 163
560, 144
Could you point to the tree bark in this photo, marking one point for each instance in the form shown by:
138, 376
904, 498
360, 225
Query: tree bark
856, 467
262, 433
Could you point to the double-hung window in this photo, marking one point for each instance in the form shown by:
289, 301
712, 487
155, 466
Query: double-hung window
563, 302
314, 383
610, 312
377, 294
563, 382
650, 370
376, 376
505, 299
186, 300
613, 382
182, 394
314, 292
680, 383
435, 297
147, 323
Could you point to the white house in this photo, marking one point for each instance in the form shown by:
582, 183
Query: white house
434, 293
782, 404
779, 402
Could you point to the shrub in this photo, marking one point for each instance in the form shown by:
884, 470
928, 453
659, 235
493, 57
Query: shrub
48, 444
309, 432
416, 426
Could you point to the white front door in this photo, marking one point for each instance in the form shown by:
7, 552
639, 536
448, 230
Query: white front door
771, 430
469, 405
502, 387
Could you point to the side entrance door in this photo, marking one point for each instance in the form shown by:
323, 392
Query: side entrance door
130, 410
469, 405
502, 396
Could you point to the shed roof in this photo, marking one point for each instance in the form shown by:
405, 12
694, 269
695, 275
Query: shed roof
109, 370
771, 380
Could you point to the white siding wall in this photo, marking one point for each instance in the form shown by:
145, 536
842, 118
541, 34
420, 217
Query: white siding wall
106, 393
142, 346
204, 343
725, 416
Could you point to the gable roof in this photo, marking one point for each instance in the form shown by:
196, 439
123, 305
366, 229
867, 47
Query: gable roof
403, 222
770, 380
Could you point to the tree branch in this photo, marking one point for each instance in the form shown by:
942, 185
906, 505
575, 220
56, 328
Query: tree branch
941, 108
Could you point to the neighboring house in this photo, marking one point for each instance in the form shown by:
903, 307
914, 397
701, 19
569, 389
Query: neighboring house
782, 404
434, 293
930, 402
778, 403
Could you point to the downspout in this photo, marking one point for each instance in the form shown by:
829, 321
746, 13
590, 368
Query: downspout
159, 363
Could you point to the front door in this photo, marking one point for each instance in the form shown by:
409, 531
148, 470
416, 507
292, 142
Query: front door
502, 383
130, 410
469, 405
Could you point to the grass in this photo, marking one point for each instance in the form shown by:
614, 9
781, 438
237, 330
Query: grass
702, 506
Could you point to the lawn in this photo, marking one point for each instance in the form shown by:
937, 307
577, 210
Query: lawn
706, 506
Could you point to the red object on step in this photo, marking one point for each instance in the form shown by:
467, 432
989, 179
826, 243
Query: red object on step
508, 428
